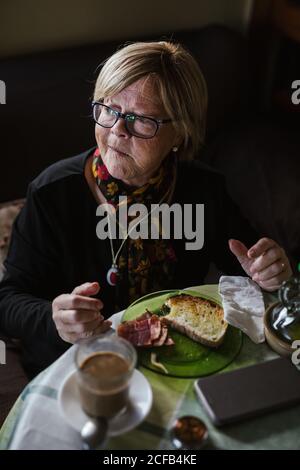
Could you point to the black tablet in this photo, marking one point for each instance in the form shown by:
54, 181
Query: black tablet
243, 393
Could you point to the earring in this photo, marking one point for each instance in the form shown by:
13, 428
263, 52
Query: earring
175, 149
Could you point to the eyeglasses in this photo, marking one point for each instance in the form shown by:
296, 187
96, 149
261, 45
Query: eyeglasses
139, 126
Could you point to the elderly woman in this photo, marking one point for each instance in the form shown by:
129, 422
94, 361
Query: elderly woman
62, 281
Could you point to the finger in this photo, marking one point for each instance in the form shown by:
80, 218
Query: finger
263, 245
238, 248
267, 259
270, 272
77, 302
102, 328
70, 317
274, 283
88, 288
73, 337
240, 251
80, 328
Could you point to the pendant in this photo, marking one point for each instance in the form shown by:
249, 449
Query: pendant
112, 275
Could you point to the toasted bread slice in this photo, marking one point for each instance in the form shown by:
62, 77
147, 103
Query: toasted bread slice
200, 319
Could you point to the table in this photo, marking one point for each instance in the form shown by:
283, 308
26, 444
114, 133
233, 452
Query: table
35, 421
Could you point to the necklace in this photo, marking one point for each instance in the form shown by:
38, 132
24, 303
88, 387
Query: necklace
112, 273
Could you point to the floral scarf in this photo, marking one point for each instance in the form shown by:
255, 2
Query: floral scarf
144, 265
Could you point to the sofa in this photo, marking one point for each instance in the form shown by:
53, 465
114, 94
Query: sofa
47, 117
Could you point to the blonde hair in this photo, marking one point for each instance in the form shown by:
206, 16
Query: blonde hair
181, 85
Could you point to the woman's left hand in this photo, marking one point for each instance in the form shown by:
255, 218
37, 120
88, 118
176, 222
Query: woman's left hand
265, 262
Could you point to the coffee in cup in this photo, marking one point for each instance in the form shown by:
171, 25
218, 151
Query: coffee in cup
104, 369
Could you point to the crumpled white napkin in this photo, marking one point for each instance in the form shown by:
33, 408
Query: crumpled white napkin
243, 305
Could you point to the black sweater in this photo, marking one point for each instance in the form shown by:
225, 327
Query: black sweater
54, 248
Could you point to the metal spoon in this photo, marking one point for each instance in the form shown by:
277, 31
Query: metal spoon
94, 432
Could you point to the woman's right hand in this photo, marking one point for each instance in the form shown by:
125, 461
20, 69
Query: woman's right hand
77, 316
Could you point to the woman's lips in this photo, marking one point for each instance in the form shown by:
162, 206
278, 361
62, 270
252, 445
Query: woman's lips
118, 151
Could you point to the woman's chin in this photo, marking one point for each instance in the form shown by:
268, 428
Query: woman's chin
116, 171
119, 167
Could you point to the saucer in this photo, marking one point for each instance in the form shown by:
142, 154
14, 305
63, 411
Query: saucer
140, 401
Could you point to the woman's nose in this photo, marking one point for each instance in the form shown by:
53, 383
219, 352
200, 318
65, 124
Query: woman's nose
119, 129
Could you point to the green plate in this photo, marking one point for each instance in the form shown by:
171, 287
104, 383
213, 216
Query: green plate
186, 358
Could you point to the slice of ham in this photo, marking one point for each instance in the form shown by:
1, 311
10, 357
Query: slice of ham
146, 330
155, 327
162, 337
137, 333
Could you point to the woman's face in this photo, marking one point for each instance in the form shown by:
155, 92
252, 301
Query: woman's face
128, 158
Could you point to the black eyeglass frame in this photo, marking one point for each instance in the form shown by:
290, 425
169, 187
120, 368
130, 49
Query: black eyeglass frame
126, 117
